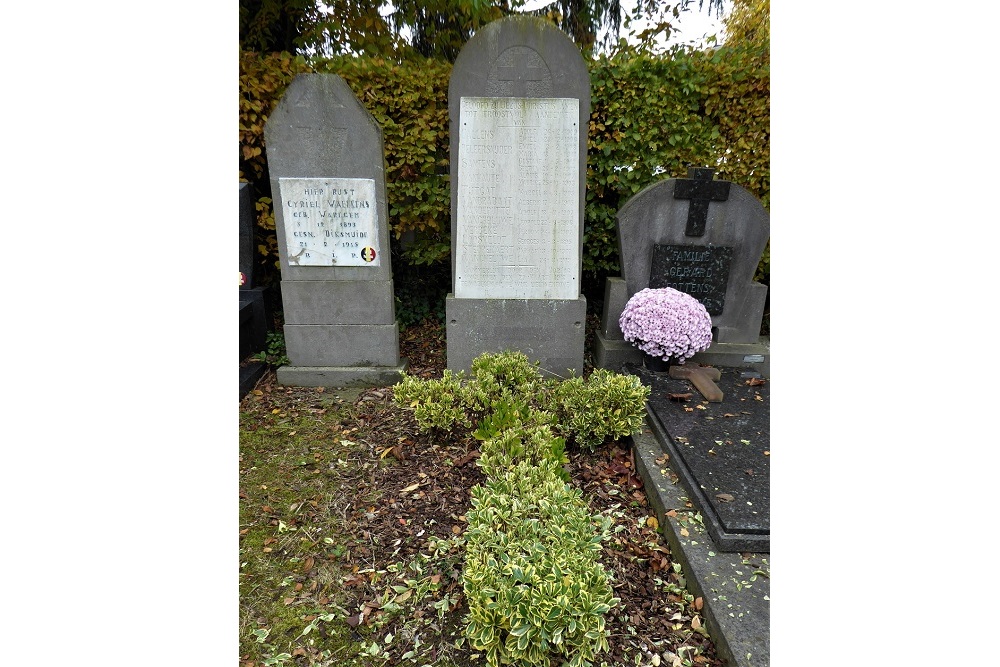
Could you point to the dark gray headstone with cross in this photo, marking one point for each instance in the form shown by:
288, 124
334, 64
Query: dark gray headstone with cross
701, 236
517, 211
327, 170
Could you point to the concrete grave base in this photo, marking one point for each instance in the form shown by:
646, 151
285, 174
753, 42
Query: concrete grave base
613, 353
548, 331
756, 356
342, 344
735, 587
342, 376
719, 451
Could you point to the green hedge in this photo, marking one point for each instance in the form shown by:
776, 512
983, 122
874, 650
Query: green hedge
651, 118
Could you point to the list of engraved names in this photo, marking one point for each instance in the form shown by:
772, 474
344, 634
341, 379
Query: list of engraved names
330, 221
518, 198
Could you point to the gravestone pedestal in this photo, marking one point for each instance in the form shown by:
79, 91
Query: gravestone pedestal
548, 331
327, 168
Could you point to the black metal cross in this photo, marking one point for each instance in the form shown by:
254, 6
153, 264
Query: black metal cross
700, 189
520, 73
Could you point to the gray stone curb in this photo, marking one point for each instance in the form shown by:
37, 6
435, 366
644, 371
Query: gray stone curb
736, 600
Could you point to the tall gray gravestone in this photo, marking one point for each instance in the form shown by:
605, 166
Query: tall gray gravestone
519, 107
327, 168
701, 236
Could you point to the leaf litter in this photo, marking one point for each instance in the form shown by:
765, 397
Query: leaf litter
372, 551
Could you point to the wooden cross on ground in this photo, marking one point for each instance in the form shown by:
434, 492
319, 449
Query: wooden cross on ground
520, 73
702, 377
700, 189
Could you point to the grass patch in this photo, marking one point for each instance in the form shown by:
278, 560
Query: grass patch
298, 474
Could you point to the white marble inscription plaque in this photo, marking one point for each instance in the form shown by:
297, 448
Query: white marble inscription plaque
518, 228
330, 221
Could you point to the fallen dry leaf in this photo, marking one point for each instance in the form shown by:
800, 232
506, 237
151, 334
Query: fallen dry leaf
652, 522
725, 497
699, 603
695, 623
461, 461
684, 532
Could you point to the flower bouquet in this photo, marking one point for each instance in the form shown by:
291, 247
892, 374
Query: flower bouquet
666, 323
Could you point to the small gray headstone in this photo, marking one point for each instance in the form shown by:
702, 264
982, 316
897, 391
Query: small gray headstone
519, 106
327, 169
703, 237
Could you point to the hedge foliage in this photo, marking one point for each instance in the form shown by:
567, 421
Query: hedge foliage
651, 118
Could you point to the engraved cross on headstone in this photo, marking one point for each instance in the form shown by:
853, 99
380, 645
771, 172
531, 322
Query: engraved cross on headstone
520, 73
700, 189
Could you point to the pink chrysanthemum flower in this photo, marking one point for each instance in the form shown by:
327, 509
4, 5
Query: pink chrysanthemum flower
666, 323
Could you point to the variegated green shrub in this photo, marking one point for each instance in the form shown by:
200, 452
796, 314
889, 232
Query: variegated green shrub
507, 376
534, 444
536, 590
606, 405
436, 403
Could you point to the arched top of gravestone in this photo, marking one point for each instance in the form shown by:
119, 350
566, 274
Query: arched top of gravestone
319, 130
520, 56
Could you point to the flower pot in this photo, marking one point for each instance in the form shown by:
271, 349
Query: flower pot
657, 364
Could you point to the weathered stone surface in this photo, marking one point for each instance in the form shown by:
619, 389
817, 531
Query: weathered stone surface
519, 108
340, 301
734, 586
519, 226
361, 345
327, 170
550, 332
654, 216
320, 130
720, 451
